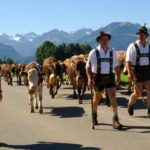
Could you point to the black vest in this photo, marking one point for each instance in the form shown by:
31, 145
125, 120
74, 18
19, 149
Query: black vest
139, 55
99, 60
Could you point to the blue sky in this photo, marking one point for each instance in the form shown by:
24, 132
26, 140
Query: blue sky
22, 16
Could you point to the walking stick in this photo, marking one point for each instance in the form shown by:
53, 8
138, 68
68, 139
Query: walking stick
93, 127
144, 101
0, 90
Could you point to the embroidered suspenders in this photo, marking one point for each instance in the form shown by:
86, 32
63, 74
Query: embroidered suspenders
141, 55
99, 60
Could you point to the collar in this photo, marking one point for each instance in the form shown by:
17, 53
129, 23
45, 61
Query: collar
138, 42
100, 49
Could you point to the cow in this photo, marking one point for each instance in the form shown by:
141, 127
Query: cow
53, 83
71, 75
11, 71
6, 73
33, 81
77, 75
53, 75
55, 78
81, 79
18, 70
68, 71
47, 64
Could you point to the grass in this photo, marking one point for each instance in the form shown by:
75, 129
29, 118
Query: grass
124, 79
64, 78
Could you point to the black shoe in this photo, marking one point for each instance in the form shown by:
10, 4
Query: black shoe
116, 123
130, 109
148, 112
95, 119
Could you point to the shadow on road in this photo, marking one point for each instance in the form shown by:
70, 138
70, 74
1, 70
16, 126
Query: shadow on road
125, 128
71, 97
123, 102
49, 146
147, 128
140, 105
141, 117
66, 112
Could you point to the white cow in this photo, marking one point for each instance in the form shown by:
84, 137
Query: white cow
35, 89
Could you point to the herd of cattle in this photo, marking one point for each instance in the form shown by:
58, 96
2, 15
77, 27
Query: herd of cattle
53, 73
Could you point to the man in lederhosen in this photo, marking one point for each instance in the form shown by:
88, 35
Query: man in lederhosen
101, 68
138, 67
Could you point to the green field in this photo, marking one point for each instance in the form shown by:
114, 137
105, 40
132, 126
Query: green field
124, 79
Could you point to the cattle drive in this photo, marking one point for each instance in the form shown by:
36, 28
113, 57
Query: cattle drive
99, 71
52, 72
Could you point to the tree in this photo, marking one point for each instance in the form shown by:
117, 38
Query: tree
78, 49
85, 48
6, 60
45, 50
60, 52
1, 61
70, 50
9, 61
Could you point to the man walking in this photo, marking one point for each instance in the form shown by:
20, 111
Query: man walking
101, 68
138, 67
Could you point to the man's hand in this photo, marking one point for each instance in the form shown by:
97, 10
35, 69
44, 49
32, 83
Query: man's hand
130, 76
130, 71
118, 74
90, 77
90, 83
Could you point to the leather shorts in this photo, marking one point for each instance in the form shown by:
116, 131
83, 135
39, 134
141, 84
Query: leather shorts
102, 81
142, 73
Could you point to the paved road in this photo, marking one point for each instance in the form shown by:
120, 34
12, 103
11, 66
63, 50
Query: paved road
66, 125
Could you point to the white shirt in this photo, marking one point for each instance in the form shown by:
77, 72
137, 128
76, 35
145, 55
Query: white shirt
105, 66
131, 54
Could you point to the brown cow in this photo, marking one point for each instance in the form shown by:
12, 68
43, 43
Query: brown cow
77, 74
6, 73
53, 75
9, 71
47, 64
19, 68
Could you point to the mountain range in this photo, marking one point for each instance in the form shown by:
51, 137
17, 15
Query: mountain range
20, 46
